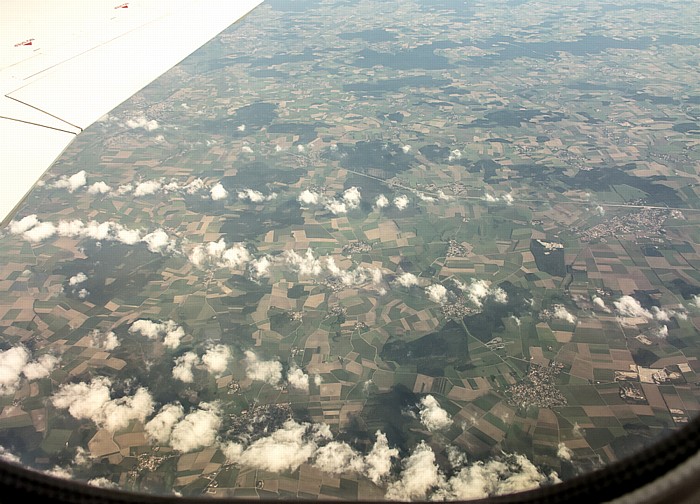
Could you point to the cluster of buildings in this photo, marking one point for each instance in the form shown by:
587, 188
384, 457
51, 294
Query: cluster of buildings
650, 221
537, 388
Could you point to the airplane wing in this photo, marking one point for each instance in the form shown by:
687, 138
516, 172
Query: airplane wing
63, 65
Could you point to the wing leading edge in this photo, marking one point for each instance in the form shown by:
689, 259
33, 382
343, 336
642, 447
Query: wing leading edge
63, 65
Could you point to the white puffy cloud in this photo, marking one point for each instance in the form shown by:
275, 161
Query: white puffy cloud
216, 359
561, 313
628, 306
662, 332
425, 197
432, 416
695, 300
381, 201
24, 224
286, 448
247, 149
169, 331
12, 362
78, 278
158, 241
490, 198
455, 154
406, 149
197, 429
183, 367
235, 257
99, 188
73, 182
437, 293
147, 188
260, 267
508, 198
15, 362
255, 196
352, 197
41, 368
161, 426
358, 276
407, 280
419, 476
308, 197
107, 341
306, 265
8, 456
597, 301
479, 290
443, 196
40, 232
140, 121
507, 475
564, 452
195, 186
92, 401
378, 460
298, 379
102, 482
218, 192
261, 370
338, 458
401, 202
336, 207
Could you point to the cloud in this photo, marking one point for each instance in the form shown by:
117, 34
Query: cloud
432, 416
561, 313
338, 458
147, 188
197, 429
437, 293
455, 154
140, 121
216, 359
336, 207
443, 196
260, 267
381, 201
352, 197
406, 149
183, 367
627, 306
401, 202
308, 197
169, 331
99, 188
662, 332
358, 276
78, 278
195, 186
378, 460
12, 362
107, 341
102, 482
25, 224
564, 452
490, 198
40, 232
92, 401
161, 426
507, 475
216, 253
9, 456
246, 149
508, 198
15, 362
218, 192
597, 301
286, 448
255, 196
75, 181
420, 474
479, 290
298, 379
407, 280
260, 370
158, 241
41, 368
425, 197
306, 265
